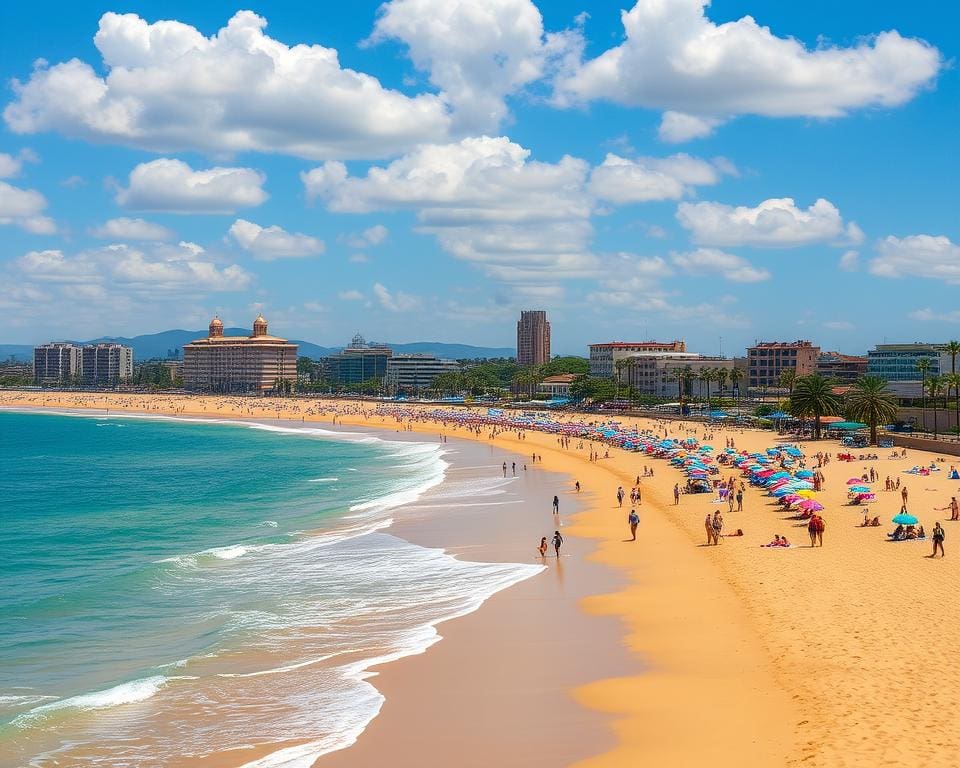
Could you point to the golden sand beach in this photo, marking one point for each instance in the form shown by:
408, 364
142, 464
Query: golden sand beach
832, 656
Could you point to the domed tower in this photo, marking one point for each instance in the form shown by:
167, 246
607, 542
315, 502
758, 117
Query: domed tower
260, 326
216, 327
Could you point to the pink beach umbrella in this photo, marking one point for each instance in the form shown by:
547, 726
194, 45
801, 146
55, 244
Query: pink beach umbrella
855, 481
809, 505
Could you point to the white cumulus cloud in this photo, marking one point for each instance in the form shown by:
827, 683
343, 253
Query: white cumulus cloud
930, 256
395, 301
370, 237
185, 267
485, 201
850, 261
475, 53
268, 243
170, 88
774, 223
351, 295
173, 186
675, 58
125, 228
677, 127
705, 262
621, 180
25, 208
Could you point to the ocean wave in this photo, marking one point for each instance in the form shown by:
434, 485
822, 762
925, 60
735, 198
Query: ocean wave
415, 640
124, 693
268, 524
324, 480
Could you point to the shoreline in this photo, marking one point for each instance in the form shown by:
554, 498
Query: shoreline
751, 655
490, 532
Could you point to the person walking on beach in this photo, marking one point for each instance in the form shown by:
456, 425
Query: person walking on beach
543, 546
676, 493
556, 505
634, 520
620, 496
708, 524
576, 485
938, 540
903, 495
504, 469
557, 542
514, 466
717, 526
739, 499
953, 507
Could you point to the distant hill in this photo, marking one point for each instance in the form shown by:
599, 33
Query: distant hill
20, 352
153, 345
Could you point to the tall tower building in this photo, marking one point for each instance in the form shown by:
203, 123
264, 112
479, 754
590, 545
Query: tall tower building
533, 338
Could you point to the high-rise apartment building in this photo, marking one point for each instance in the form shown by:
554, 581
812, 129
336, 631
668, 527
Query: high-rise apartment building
768, 359
57, 363
415, 373
357, 363
106, 364
604, 357
254, 364
533, 338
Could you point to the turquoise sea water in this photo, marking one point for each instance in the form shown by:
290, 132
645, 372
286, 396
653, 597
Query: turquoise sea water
172, 590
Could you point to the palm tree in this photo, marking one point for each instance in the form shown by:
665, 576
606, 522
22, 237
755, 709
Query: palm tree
736, 375
952, 381
722, 374
871, 401
923, 365
953, 349
788, 379
703, 376
680, 376
813, 396
934, 387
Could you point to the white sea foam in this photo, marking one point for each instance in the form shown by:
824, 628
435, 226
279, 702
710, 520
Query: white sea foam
125, 693
288, 668
347, 592
227, 553
324, 480
268, 524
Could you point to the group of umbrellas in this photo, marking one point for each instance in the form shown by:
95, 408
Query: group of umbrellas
609, 432
777, 470
859, 492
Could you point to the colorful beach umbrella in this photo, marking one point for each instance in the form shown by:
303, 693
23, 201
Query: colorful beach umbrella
905, 519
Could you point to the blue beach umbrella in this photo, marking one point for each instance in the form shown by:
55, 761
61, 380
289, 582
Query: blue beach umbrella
905, 519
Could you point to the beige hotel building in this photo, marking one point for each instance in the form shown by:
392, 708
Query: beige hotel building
239, 364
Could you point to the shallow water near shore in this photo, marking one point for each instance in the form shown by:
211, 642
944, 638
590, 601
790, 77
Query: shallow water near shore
169, 591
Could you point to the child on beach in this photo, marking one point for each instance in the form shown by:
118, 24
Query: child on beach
543, 546
557, 542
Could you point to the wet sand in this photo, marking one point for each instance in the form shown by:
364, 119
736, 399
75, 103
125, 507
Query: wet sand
834, 656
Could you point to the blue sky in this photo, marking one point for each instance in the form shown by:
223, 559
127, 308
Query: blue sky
424, 169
